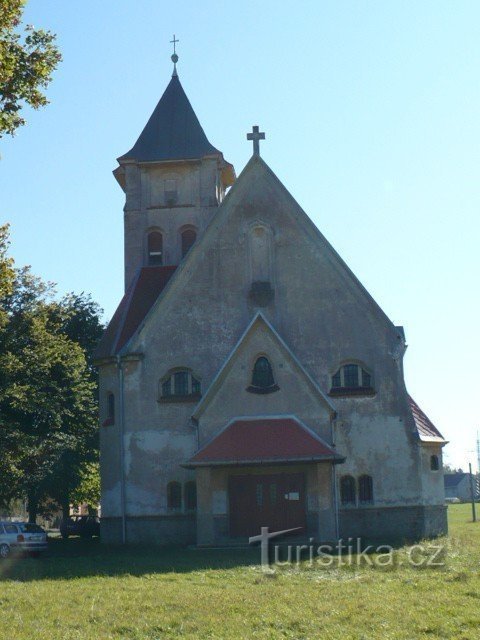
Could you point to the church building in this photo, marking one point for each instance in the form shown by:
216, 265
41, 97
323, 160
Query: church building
247, 378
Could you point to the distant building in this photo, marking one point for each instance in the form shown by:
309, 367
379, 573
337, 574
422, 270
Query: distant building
457, 485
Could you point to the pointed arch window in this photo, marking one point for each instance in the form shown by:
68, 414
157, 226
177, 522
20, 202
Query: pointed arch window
155, 248
263, 380
188, 240
347, 491
352, 379
434, 463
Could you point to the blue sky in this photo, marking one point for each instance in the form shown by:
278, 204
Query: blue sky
371, 115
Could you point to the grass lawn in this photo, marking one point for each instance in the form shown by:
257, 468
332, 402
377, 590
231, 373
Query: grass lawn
82, 590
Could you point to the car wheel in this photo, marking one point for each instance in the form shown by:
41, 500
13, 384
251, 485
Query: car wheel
4, 550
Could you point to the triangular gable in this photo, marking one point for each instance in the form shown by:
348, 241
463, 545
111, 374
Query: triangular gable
259, 319
241, 192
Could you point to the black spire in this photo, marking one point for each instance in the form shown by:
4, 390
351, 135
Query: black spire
173, 131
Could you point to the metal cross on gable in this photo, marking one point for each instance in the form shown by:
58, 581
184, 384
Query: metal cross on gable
256, 136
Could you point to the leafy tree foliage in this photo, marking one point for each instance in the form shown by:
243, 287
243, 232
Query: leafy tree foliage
26, 65
48, 408
88, 489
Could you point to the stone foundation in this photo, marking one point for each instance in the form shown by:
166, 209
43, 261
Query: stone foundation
394, 523
158, 530
384, 524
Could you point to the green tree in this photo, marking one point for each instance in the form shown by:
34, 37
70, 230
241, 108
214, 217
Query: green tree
7, 442
48, 407
88, 489
26, 65
79, 321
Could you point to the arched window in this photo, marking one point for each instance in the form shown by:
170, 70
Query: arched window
155, 248
347, 490
174, 495
262, 377
365, 489
188, 239
434, 463
111, 406
352, 379
190, 495
110, 410
179, 385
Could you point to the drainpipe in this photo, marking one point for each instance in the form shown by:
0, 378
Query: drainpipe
121, 407
334, 477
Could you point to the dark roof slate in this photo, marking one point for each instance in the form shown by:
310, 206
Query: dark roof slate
263, 440
134, 306
173, 131
425, 427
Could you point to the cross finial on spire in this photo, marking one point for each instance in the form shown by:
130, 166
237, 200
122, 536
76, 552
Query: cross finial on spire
174, 56
256, 136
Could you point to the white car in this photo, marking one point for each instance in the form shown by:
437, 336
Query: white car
21, 537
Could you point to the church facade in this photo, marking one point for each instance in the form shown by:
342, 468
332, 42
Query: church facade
247, 378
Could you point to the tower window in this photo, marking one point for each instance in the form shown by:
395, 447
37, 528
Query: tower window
434, 463
171, 194
262, 377
155, 248
179, 385
347, 491
352, 379
188, 240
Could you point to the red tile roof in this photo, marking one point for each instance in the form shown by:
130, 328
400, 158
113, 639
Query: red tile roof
263, 440
425, 428
136, 303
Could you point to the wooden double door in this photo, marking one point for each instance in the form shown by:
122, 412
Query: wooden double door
275, 500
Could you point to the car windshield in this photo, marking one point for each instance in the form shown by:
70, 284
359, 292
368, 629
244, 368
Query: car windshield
28, 527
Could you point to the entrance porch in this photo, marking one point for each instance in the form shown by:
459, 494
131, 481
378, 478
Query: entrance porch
270, 472
234, 503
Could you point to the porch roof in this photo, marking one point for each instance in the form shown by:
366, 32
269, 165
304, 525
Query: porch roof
256, 441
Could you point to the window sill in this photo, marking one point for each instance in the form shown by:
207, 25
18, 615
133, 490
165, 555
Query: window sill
263, 390
343, 392
360, 505
194, 397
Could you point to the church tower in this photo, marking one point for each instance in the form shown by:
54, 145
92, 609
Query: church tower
173, 180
